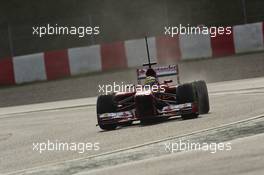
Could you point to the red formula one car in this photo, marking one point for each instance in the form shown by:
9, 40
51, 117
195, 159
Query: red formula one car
153, 100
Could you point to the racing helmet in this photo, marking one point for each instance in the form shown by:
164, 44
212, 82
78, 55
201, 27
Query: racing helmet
150, 80
151, 72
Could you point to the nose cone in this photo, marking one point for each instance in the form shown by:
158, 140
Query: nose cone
145, 104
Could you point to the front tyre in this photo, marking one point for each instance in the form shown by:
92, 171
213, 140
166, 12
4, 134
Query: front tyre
202, 96
106, 104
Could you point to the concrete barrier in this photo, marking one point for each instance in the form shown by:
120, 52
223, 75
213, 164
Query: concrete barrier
29, 68
136, 51
113, 53
6, 72
128, 54
195, 46
85, 59
168, 49
248, 37
223, 45
57, 64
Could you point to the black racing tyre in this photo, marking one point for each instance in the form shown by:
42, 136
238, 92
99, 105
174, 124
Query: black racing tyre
106, 104
185, 93
202, 96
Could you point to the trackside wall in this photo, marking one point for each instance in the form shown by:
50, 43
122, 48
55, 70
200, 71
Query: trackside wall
51, 65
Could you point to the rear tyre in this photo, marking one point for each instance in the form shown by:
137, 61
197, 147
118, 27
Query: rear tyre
106, 104
185, 93
202, 96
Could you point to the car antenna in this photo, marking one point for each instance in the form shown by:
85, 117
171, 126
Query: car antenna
146, 39
149, 64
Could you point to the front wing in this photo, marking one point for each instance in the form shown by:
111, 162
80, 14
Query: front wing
167, 111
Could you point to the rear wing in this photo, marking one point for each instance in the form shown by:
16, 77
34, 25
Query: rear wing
161, 71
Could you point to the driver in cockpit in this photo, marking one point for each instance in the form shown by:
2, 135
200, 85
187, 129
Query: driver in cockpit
151, 78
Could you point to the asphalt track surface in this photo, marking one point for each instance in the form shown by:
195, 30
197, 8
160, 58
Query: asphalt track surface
231, 101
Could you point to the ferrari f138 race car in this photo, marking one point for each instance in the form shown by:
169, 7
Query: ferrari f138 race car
149, 104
